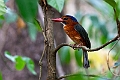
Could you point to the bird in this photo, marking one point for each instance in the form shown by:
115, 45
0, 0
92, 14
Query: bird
77, 34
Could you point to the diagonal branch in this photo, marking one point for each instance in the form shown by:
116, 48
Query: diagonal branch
83, 47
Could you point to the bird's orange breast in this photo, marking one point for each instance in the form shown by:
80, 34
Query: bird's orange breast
74, 35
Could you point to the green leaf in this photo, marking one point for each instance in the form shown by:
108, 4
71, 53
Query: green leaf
2, 17
37, 25
78, 57
117, 8
9, 56
2, 7
109, 74
32, 31
1, 20
103, 39
30, 65
20, 63
28, 9
1, 78
111, 2
57, 4
116, 56
65, 54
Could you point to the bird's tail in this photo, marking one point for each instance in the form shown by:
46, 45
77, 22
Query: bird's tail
85, 59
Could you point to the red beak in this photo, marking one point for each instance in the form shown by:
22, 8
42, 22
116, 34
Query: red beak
57, 20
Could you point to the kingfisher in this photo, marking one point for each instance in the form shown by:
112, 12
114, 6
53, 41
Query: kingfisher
77, 33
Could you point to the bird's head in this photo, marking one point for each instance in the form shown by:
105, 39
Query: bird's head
66, 20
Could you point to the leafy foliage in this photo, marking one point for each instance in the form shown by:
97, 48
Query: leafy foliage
30, 65
78, 57
118, 8
32, 31
29, 13
20, 62
1, 76
111, 2
65, 54
2, 11
2, 7
27, 9
37, 25
57, 4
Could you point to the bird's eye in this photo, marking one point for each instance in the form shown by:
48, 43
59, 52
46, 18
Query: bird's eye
65, 18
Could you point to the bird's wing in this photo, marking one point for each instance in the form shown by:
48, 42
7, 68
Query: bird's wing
83, 34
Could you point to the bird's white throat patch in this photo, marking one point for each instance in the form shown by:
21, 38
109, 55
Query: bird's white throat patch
63, 24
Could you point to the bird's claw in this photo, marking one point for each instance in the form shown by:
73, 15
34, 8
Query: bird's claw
74, 46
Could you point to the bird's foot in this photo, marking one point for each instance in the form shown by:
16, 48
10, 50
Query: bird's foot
74, 46
78, 46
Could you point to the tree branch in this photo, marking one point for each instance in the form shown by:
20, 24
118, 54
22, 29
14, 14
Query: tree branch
49, 39
83, 47
40, 62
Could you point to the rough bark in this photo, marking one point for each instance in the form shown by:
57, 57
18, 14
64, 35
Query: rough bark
51, 58
49, 40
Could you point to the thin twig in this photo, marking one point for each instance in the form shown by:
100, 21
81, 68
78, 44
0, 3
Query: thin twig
40, 62
43, 30
108, 59
45, 39
83, 47
71, 75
